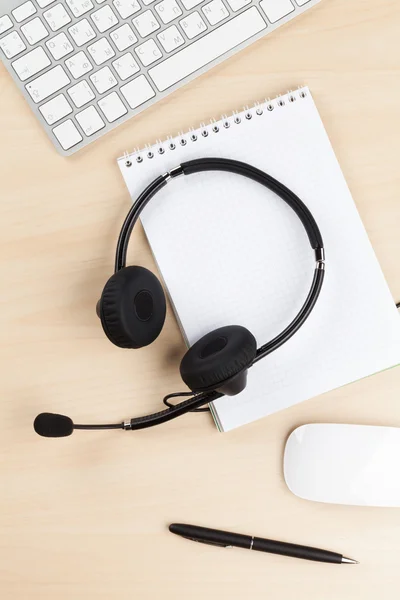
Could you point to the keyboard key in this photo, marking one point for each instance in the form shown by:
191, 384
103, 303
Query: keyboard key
126, 66
34, 31
80, 7
59, 46
30, 64
5, 24
44, 3
103, 80
55, 109
276, 9
208, 48
147, 2
24, 11
57, 17
146, 23
101, 51
67, 134
188, 4
90, 120
137, 92
112, 107
168, 10
104, 19
126, 8
238, 4
48, 84
81, 94
78, 65
82, 32
170, 38
12, 44
192, 25
148, 52
123, 37
302, 2
215, 11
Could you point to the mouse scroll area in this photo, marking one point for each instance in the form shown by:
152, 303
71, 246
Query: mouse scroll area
344, 464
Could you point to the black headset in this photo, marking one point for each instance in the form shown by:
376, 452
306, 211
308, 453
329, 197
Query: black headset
132, 311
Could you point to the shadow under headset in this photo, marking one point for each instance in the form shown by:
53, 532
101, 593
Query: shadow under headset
132, 311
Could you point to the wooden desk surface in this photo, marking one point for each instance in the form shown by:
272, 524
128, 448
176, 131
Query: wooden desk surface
86, 517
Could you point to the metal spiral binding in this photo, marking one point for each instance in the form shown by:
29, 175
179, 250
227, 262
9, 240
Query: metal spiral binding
193, 134
268, 105
182, 140
259, 110
171, 143
150, 153
127, 158
236, 117
161, 149
225, 121
204, 131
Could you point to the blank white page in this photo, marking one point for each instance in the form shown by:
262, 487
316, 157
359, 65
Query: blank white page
231, 252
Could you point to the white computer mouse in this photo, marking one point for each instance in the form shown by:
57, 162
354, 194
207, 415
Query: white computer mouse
344, 464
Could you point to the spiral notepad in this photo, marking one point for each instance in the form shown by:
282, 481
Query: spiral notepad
230, 252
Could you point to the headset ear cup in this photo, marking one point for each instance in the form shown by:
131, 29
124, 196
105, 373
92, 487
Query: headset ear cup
218, 358
132, 308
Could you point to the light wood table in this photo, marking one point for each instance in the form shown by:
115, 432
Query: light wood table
86, 517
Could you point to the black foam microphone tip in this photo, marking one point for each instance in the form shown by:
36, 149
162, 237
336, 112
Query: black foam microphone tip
52, 425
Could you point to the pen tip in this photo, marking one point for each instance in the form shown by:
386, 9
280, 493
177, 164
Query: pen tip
349, 561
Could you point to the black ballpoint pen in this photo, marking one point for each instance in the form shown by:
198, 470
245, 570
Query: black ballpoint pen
236, 540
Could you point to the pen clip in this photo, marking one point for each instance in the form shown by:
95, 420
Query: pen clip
207, 543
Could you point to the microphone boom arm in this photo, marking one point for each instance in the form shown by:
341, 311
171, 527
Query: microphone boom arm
171, 413
94, 427
160, 417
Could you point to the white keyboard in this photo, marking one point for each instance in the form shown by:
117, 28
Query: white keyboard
86, 66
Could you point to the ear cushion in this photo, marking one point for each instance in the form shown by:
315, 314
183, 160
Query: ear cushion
218, 356
132, 308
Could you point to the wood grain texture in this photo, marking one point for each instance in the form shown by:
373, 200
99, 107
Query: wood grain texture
86, 517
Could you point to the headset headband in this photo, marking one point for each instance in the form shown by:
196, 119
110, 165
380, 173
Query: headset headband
239, 168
